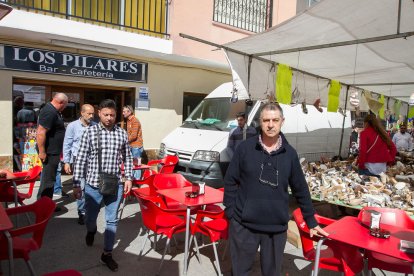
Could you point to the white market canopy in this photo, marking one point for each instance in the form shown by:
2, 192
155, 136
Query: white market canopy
368, 44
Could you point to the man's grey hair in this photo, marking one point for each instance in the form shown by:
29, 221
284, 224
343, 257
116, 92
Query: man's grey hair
61, 97
271, 106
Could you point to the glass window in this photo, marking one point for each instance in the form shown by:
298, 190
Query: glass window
27, 102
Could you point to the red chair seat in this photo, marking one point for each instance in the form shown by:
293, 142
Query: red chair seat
213, 208
337, 257
167, 221
69, 272
216, 224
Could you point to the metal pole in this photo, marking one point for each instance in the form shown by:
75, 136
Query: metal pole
399, 17
337, 44
343, 122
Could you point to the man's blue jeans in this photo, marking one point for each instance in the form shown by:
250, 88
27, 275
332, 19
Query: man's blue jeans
93, 201
81, 202
137, 153
57, 188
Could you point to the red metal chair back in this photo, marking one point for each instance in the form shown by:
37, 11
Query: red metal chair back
168, 164
389, 216
33, 175
29, 177
43, 210
169, 181
165, 165
331, 258
158, 219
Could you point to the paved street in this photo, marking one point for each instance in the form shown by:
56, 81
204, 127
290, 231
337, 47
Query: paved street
64, 248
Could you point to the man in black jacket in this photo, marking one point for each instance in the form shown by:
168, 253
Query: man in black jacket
256, 196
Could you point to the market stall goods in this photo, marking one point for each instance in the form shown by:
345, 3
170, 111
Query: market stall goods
337, 182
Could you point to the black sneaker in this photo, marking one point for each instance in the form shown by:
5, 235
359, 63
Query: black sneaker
64, 194
109, 262
58, 209
90, 236
81, 219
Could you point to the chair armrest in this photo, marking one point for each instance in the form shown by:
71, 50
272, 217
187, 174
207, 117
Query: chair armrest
24, 230
19, 210
213, 215
153, 162
323, 220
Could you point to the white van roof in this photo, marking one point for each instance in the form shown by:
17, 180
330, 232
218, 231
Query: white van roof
225, 91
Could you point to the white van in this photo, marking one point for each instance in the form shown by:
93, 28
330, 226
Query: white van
201, 141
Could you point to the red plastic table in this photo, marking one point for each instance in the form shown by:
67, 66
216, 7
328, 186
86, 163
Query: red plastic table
210, 196
5, 226
350, 231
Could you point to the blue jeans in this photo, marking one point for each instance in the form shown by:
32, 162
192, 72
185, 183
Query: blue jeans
366, 172
57, 188
81, 202
93, 200
136, 153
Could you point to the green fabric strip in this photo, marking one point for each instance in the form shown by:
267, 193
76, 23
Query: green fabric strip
382, 109
333, 96
284, 84
397, 107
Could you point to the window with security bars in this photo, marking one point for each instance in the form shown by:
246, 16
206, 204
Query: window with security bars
250, 15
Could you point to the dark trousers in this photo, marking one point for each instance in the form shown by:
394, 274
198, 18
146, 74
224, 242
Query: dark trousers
48, 179
244, 244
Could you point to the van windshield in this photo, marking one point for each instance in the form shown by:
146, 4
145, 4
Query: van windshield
215, 114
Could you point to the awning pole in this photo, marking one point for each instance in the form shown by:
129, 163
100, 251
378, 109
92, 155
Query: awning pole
343, 122
399, 17
336, 44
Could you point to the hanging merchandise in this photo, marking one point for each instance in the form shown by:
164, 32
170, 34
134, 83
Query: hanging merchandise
382, 109
284, 84
304, 108
397, 107
353, 97
373, 104
411, 112
317, 103
333, 96
363, 104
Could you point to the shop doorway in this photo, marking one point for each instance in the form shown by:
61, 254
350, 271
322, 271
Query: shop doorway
30, 96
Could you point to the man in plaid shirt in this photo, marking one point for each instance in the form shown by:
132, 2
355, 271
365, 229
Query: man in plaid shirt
115, 149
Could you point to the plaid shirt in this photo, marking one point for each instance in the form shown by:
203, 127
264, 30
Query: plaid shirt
115, 150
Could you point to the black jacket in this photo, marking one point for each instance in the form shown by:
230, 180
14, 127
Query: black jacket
260, 206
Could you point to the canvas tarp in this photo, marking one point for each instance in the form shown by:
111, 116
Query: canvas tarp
387, 62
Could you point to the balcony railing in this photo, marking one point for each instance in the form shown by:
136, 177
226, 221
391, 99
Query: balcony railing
251, 15
147, 17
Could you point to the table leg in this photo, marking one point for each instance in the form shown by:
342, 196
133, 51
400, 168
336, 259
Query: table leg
15, 194
187, 236
10, 250
317, 257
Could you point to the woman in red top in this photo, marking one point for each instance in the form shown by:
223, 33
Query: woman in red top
376, 148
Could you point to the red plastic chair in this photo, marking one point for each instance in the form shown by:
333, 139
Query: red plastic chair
216, 228
30, 177
336, 257
393, 217
29, 238
149, 190
166, 165
214, 207
160, 220
170, 181
69, 272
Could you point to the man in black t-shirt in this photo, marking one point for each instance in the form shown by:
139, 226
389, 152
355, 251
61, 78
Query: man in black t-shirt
50, 135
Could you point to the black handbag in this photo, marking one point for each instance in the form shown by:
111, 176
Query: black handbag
108, 183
